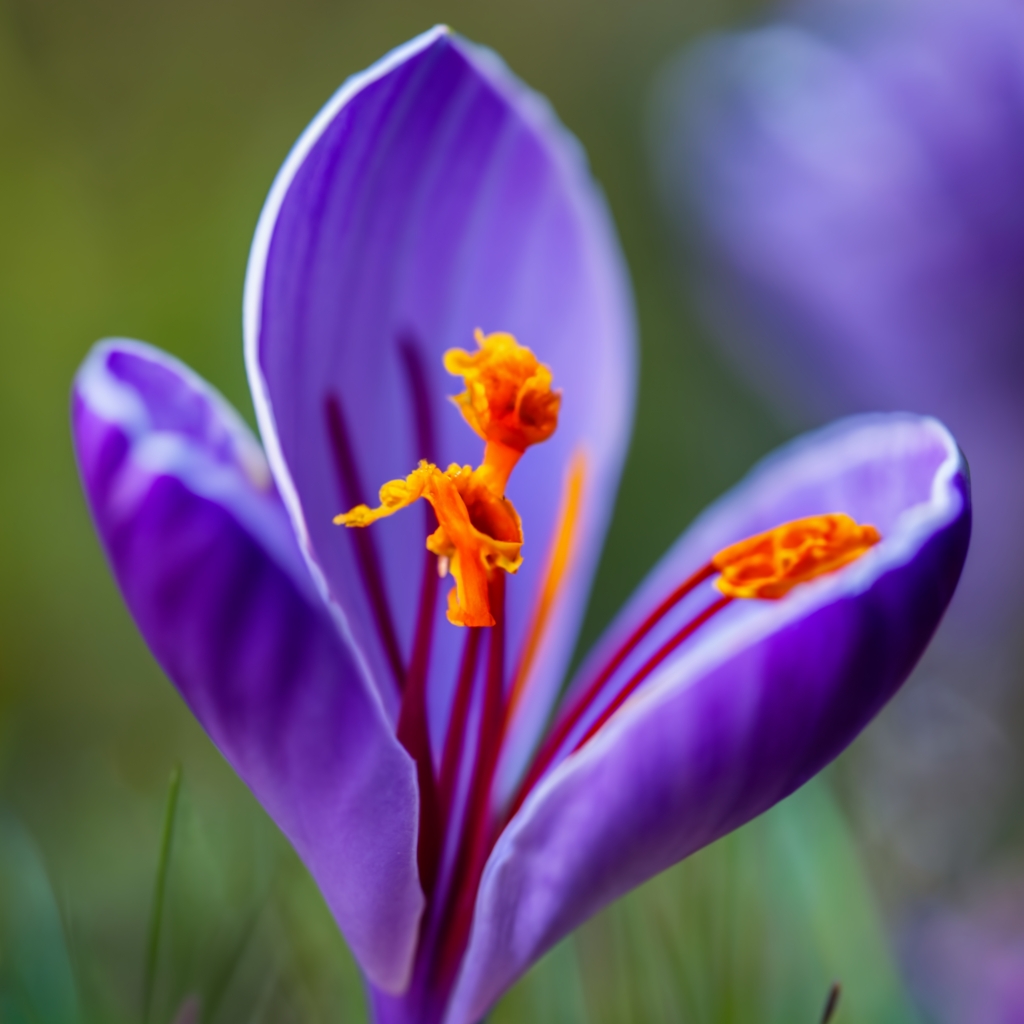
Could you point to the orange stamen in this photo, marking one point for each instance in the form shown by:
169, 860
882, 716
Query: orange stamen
768, 565
559, 559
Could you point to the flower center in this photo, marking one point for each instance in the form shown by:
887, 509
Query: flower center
508, 401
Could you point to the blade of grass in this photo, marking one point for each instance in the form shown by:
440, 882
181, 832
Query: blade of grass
831, 1003
37, 978
159, 891
216, 989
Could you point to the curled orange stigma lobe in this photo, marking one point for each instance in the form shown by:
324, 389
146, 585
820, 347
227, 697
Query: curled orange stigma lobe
768, 565
508, 399
509, 402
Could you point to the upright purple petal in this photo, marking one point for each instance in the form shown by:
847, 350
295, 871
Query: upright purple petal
433, 195
851, 172
754, 706
204, 553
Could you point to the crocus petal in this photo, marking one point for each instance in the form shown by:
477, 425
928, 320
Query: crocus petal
853, 171
434, 195
751, 709
204, 553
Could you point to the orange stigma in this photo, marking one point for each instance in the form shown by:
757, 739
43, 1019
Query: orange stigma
768, 565
508, 401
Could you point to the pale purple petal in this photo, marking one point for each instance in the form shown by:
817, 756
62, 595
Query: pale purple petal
204, 553
857, 168
748, 711
853, 172
433, 195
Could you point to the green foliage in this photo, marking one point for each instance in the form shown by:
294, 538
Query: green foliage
37, 984
752, 930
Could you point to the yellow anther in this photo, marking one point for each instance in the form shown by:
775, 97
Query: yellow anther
478, 531
768, 565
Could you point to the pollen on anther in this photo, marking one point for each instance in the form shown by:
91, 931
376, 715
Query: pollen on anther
768, 565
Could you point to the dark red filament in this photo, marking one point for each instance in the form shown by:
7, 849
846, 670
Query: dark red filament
651, 664
565, 725
414, 732
451, 760
352, 493
416, 379
481, 827
413, 725
479, 823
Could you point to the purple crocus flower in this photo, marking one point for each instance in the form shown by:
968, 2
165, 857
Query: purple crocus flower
456, 834
852, 174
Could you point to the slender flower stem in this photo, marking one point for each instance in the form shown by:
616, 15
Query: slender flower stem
831, 1002
159, 890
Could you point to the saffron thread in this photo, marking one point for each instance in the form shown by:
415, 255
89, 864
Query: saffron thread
560, 733
455, 739
478, 823
651, 664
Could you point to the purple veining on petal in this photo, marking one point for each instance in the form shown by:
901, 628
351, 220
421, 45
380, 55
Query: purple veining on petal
751, 709
205, 556
352, 491
435, 195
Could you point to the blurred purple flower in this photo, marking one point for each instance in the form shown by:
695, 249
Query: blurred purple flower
398, 753
852, 175
967, 964
855, 171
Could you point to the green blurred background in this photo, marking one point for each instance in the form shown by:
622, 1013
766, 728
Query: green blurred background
137, 143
